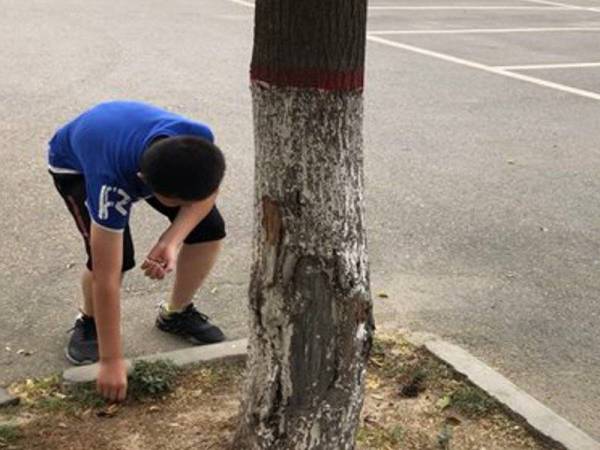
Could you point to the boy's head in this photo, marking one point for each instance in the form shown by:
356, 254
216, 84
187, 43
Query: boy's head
186, 168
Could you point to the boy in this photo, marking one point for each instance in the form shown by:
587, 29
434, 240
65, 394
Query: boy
104, 160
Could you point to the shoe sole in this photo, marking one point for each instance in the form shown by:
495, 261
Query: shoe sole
75, 362
187, 337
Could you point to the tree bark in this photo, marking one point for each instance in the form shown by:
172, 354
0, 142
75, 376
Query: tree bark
310, 305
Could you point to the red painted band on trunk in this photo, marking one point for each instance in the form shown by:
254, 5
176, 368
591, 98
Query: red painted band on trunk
310, 78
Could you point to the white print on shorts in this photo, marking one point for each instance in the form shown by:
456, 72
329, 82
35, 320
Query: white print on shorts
106, 203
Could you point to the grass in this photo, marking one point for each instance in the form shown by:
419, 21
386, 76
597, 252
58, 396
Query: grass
9, 433
471, 401
380, 437
147, 380
51, 395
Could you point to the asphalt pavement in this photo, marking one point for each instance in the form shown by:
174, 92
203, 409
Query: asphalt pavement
483, 186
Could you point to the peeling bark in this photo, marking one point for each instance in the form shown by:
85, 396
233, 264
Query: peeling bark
311, 321
311, 318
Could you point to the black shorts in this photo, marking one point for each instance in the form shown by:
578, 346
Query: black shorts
72, 189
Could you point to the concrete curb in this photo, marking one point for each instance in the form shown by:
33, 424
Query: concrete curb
229, 350
6, 399
538, 416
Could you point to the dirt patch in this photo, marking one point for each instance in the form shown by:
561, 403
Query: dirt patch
412, 402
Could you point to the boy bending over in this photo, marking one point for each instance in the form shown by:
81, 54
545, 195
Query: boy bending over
102, 162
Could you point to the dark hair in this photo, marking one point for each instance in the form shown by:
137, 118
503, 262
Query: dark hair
183, 167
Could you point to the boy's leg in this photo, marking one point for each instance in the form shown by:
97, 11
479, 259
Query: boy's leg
180, 316
86, 287
88, 297
196, 258
194, 263
83, 344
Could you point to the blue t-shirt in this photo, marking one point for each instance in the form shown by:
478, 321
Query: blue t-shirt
105, 144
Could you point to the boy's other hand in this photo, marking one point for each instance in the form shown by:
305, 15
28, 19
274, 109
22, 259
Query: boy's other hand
160, 261
112, 380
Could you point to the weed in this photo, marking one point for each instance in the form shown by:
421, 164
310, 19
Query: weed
397, 433
152, 378
379, 438
444, 437
378, 348
472, 401
85, 396
34, 389
9, 433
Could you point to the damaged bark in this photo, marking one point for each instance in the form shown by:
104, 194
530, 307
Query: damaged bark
310, 305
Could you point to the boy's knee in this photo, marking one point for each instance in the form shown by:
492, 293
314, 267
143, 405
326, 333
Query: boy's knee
212, 228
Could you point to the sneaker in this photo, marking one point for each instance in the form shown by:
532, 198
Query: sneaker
83, 345
190, 324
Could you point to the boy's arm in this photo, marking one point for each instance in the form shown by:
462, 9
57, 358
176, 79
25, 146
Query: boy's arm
162, 258
107, 256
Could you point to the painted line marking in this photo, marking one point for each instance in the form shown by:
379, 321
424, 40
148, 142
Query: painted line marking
467, 7
440, 8
243, 3
486, 68
472, 64
564, 5
549, 66
482, 30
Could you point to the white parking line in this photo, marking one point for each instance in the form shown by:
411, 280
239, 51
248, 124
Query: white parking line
564, 5
243, 3
482, 30
441, 7
486, 68
549, 66
475, 65
466, 7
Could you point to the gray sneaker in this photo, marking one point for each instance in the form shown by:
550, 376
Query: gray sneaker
83, 345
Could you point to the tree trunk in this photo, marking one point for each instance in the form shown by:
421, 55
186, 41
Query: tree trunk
310, 305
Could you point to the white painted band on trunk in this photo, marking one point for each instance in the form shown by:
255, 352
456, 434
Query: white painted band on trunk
309, 296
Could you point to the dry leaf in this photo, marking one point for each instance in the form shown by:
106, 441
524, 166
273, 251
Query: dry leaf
369, 419
154, 408
453, 420
197, 393
443, 402
111, 411
373, 383
376, 362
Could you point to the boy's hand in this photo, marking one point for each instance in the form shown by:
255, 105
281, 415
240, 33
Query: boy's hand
112, 379
160, 261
